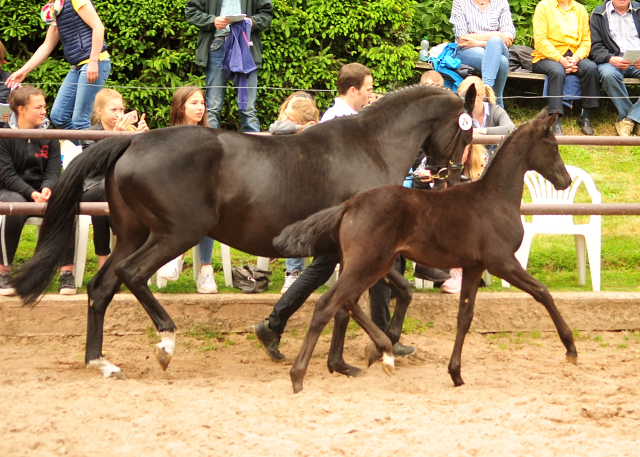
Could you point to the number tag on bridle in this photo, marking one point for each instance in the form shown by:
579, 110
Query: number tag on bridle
465, 122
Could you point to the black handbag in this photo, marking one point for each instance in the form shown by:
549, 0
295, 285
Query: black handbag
250, 279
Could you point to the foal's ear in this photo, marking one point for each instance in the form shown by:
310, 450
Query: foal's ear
542, 114
470, 98
550, 120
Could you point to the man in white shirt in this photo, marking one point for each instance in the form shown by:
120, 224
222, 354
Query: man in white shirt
355, 86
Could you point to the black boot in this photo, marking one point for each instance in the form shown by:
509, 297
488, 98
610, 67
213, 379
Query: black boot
270, 340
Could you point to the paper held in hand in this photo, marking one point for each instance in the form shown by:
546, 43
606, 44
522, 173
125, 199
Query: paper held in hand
4, 109
236, 18
632, 55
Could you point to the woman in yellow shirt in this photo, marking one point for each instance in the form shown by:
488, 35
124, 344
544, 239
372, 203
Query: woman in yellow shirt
562, 41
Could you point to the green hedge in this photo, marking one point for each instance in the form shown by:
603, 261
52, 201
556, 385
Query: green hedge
152, 46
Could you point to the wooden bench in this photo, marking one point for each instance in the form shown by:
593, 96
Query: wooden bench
424, 66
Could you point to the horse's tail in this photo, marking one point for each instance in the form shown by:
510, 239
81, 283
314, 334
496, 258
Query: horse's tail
314, 235
58, 225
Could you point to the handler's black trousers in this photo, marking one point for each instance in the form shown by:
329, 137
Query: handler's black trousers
316, 275
11, 228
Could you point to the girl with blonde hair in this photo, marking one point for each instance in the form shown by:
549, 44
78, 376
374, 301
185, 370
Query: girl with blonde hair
296, 113
108, 114
488, 118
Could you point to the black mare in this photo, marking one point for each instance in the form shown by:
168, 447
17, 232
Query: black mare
475, 226
168, 188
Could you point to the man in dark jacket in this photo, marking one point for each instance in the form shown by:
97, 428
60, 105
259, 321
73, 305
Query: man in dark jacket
209, 17
615, 29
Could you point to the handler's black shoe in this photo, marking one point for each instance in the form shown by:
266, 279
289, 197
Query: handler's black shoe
400, 350
270, 340
6, 288
431, 274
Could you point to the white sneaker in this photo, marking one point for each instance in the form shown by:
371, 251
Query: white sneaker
171, 271
205, 282
453, 284
289, 280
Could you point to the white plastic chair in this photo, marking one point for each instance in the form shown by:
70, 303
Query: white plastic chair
588, 236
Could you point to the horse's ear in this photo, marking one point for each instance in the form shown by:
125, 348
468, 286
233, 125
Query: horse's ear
542, 114
470, 98
550, 120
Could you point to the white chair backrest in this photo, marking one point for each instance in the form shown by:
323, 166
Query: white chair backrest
543, 192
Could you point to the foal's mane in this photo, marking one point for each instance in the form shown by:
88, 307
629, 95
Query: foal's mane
506, 141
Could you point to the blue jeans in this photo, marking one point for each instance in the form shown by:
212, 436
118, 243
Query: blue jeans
492, 61
205, 250
73, 105
612, 81
294, 265
216, 88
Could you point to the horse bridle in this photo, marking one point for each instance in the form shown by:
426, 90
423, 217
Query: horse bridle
436, 172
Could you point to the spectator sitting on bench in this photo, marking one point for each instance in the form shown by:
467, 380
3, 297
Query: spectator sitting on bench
431, 78
615, 26
29, 168
562, 41
484, 32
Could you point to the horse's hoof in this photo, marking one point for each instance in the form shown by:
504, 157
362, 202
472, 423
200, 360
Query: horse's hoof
371, 354
163, 358
458, 382
388, 363
164, 349
345, 369
572, 359
107, 369
119, 375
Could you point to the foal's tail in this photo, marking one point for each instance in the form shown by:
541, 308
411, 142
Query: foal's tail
315, 235
58, 225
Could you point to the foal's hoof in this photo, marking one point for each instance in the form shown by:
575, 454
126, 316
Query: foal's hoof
163, 357
388, 364
572, 359
345, 369
371, 354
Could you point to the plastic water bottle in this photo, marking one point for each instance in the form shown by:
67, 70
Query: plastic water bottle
424, 49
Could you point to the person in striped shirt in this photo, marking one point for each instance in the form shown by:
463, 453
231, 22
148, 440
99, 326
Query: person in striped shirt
484, 31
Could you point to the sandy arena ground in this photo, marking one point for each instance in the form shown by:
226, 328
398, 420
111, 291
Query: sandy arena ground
226, 398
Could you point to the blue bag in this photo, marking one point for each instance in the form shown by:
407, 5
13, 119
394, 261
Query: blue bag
447, 64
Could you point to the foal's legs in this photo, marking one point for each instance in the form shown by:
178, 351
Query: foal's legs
402, 288
336, 361
470, 283
513, 272
345, 291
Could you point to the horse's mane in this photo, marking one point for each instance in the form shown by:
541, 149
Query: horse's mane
391, 99
505, 141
